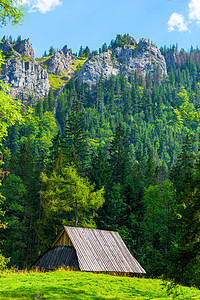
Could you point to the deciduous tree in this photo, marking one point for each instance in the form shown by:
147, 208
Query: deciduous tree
71, 193
10, 11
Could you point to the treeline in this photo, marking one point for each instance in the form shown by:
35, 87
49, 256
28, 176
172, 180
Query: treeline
11, 40
120, 41
122, 143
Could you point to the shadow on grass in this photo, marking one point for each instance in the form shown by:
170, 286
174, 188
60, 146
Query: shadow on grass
149, 295
47, 292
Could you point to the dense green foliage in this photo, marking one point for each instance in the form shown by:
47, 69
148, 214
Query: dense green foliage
121, 41
71, 195
144, 115
10, 110
83, 285
10, 11
124, 138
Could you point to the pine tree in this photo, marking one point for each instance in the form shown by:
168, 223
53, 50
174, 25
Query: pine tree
19, 38
55, 156
158, 75
99, 172
45, 104
104, 47
51, 100
183, 261
15, 245
61, 110
25, 169
118, 153
150, 174
39, 108
74, 142
81, 52
51, 51
87, 52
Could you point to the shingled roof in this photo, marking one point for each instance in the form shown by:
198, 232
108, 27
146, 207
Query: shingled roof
97, 250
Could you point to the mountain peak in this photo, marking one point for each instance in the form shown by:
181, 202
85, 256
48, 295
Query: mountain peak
22, 47
122, 40
124, 59
20, 70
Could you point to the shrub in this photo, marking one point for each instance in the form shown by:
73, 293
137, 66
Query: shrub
3, 262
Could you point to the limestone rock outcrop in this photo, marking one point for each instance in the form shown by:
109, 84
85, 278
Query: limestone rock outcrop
24, 48
143, 58
60, 61
29, 77
26, 77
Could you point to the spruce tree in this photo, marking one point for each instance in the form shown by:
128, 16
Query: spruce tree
74, 141
51, 100
183, 261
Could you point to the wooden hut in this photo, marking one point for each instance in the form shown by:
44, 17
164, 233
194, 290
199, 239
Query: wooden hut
89, 250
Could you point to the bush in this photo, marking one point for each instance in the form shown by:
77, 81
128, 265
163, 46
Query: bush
3, 262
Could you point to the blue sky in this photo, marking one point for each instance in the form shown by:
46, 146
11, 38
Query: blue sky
93, 22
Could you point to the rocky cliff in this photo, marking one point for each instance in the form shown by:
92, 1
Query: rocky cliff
26, 77
29, 78
142, 57
60, 61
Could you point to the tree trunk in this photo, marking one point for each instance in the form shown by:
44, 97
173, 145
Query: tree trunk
76, 220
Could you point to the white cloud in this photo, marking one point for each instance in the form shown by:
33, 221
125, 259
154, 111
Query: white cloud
194, 11
176, 21
42, 6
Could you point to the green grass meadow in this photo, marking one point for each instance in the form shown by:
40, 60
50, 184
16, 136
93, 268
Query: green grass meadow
63, 284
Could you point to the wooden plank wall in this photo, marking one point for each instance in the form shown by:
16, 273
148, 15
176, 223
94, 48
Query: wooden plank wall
63, 240
57, 257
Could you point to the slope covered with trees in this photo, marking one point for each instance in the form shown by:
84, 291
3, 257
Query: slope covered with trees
132, 145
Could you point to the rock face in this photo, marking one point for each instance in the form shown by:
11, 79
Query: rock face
26, 77
24, 48
143, 58
29, 78
6, 48
60, 61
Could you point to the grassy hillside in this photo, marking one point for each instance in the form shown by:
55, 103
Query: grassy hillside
56, 81
77, 285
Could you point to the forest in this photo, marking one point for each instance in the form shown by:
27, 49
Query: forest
126, 159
